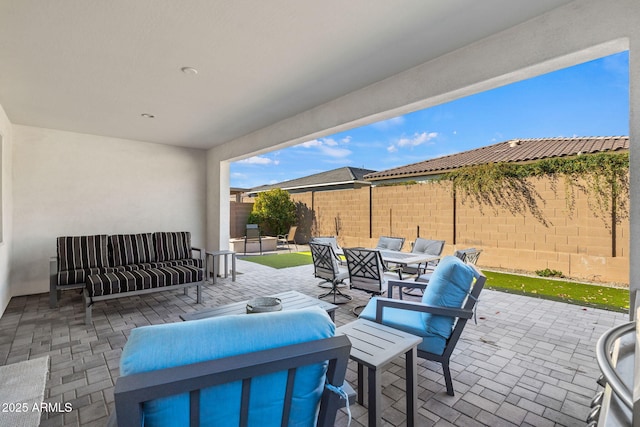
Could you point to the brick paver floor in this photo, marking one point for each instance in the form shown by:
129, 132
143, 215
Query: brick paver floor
526, 362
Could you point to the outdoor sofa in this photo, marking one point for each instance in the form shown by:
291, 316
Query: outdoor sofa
106, 267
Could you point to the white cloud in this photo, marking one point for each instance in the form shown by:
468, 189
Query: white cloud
259, 160
417, 139
312, 143
346, 140
328, 147
330, 142
334, 152
389, 123
392, 148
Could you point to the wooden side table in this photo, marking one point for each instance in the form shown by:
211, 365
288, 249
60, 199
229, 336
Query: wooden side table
215, 254
374, 345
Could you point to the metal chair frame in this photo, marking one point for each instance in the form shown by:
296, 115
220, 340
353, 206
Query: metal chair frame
326, 267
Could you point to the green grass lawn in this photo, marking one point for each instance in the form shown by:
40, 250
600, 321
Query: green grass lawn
614, 299
293, 259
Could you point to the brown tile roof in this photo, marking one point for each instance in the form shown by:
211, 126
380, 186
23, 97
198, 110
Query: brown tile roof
515, 150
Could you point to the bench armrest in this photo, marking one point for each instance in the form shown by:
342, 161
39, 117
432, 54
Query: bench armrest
193, 249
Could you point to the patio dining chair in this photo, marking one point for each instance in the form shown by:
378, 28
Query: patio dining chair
440, 317
327, 267
287, 239
332, 240
366, 272
390, 243
424, 246
252, 235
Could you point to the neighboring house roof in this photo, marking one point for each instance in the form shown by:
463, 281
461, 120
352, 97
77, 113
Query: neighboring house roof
515, 150
345, 176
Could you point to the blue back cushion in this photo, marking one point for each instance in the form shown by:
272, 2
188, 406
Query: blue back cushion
156, 347
449, 285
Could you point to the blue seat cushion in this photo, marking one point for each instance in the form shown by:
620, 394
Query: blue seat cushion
408, 321
156, 347
448, 287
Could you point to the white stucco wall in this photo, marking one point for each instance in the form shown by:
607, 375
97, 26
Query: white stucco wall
76, 184
7, 208
580, 31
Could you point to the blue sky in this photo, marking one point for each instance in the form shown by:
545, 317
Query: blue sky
590, 99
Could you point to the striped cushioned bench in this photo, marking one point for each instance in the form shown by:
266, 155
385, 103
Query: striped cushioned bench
141, 281
103, 256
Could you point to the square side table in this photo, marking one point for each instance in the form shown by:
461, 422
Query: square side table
374, 346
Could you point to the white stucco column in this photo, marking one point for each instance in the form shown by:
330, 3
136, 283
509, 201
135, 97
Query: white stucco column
634, 168
217, 201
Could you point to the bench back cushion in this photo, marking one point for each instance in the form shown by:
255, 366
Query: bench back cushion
448, 287
82, 252
172, 246
132, 249
150, 348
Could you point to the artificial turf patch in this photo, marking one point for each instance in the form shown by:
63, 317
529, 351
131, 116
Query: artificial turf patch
278, 261
614, 299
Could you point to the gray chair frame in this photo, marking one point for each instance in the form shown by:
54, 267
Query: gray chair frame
460, 314
252, 234
132, 391
326, 266
470, 256
366, 270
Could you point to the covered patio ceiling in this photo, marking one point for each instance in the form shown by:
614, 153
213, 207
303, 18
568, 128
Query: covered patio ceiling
95, 67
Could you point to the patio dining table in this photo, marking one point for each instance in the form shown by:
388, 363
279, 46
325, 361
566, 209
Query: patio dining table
401, 258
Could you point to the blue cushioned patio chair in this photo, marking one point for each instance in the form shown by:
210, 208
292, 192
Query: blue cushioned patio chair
326, 266
448, 302
264, 370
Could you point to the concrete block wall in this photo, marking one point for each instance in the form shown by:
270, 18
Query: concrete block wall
579, 245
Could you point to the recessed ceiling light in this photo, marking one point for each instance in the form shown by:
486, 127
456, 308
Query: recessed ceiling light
189, 70
148, 116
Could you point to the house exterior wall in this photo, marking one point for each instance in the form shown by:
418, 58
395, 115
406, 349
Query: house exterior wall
579, 244
6, 199
76, 184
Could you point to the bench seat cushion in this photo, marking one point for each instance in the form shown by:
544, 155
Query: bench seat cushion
196, 262
135, 280
150, 348
79, 276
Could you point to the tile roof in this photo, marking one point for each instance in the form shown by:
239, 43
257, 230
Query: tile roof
515, 150
332, 177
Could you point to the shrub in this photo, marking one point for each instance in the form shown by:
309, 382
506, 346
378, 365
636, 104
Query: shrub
274, 211
549, 273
